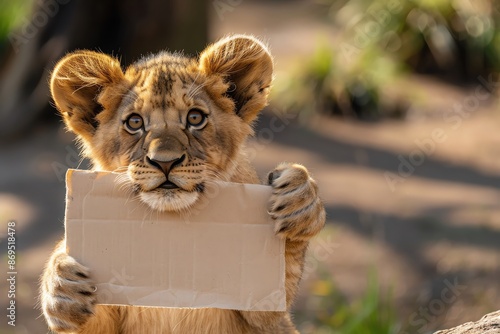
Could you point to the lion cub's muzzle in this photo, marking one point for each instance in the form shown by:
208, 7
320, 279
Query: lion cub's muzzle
165, 167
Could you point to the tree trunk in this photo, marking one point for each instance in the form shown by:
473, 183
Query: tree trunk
124, 28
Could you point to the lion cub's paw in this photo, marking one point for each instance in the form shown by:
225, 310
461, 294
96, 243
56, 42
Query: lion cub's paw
68, 294
295, 204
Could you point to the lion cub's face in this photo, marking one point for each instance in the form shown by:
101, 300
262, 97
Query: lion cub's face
171, 123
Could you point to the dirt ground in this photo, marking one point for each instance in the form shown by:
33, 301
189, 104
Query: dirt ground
428, 222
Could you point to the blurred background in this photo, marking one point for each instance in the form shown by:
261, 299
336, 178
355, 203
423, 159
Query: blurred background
392, 105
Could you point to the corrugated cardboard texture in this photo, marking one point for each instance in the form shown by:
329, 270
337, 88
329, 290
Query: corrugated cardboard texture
224, 254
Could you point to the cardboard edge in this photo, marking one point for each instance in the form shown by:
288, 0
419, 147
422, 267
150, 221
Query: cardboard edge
68, 179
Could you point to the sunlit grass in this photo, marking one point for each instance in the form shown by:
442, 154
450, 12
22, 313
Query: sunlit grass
329, 311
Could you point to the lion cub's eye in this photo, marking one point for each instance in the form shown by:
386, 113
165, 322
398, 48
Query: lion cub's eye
196, 118
134, 123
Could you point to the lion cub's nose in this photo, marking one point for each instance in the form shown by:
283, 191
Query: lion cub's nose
165, 166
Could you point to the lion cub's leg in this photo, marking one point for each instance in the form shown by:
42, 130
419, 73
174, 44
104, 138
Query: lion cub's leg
68, 299
299, 214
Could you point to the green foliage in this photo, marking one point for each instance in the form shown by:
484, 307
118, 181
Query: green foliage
332, 82
12, 14
436, 36
328, 311
380, 41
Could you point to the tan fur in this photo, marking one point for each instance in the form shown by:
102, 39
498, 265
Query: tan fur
229, 83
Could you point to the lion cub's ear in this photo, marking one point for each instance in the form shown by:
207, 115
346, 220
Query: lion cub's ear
247, 66
78, 84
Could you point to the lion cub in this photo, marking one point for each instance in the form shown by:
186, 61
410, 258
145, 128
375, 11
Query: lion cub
172, 124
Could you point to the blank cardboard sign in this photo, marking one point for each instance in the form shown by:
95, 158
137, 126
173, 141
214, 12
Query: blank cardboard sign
223, 254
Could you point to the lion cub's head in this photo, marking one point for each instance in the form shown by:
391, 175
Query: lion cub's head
172, 123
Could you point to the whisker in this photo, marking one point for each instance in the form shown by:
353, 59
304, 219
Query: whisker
191, 92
